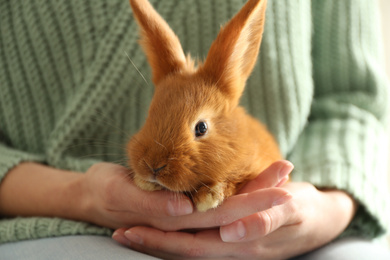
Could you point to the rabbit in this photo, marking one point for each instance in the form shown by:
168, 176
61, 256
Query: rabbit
196, 139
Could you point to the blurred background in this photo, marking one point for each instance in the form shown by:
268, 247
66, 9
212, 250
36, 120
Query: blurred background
385, 15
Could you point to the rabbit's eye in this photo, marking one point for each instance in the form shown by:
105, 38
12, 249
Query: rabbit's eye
200, 129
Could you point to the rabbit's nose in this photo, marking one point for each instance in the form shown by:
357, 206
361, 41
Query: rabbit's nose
156, 170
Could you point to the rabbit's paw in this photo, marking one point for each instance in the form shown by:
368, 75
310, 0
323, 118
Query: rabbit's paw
209, 197
146, 185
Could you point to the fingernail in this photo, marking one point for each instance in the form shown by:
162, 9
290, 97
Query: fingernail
233, 232
179, 207
133, 237
285, 170
282, 200
283, 181
120, 239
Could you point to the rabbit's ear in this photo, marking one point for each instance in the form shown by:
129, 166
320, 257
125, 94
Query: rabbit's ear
233, 54
161, 45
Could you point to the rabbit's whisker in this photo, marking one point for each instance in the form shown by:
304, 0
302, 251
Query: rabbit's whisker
205, 185
163, 146
147, 164
173, 144
100, 154
110, 122
135, 139
139, 72
205, 175
193, 188
189, 194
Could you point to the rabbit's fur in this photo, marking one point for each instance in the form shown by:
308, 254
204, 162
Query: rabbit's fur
166, 153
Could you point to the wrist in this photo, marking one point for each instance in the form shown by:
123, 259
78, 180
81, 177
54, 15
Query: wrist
32, 189
345, 204
74, 199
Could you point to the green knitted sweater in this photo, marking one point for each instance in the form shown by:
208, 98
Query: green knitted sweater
69, 96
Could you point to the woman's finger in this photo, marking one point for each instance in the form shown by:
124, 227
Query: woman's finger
162, 204
266, 225
270, 177
235, 208
257, 225
120, 194
175, 245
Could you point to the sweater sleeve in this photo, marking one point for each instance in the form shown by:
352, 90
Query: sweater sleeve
344, 144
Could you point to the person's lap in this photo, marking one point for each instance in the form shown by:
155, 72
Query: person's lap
348, 249
69, 247
95, 247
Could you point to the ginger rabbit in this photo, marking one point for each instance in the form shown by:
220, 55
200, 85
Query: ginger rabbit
196, 138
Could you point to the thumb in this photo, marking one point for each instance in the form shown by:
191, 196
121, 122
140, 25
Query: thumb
270, 177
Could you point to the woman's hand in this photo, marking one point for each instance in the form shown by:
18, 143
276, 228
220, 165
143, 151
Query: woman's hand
105, 195
309, 220
112, 200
